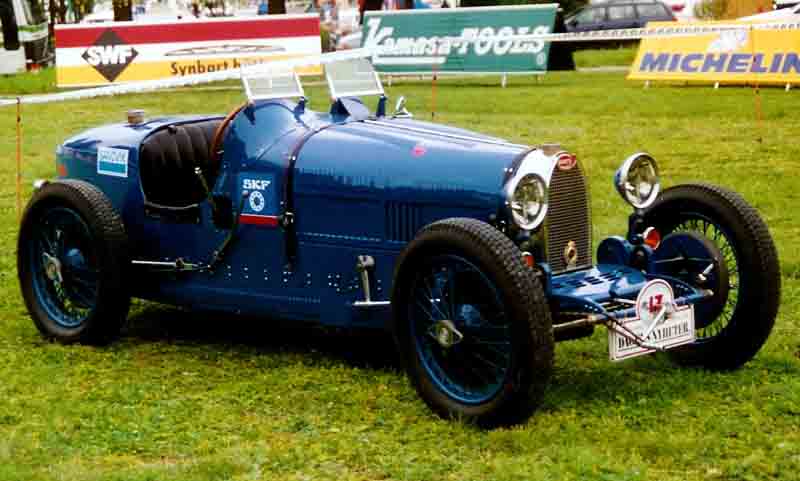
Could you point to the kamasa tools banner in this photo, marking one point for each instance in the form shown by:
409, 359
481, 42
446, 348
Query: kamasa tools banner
460, 40
120, 52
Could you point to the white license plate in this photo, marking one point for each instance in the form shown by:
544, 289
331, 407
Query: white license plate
675, 329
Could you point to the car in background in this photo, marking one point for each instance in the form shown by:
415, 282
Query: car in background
791, 13
684, 10
616, 15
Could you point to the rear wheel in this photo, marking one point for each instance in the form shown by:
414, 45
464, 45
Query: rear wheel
736, 322
71, 258
472, 324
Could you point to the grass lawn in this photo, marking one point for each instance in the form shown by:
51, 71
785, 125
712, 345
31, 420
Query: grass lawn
617, 56
193, 397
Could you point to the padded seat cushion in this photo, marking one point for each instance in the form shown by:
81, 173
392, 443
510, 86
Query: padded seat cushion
168, 159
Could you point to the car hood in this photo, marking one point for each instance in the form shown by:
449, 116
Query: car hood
401, 156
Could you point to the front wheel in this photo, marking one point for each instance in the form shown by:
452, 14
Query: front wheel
472, 324
72, 255
742, 313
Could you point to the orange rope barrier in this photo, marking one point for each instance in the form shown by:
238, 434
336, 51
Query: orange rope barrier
433, 94
19, 158
757, 92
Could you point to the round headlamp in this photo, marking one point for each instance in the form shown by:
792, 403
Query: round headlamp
528, 201
637, 180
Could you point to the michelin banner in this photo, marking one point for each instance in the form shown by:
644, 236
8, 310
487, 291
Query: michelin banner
729, 57
418, 36
119, 52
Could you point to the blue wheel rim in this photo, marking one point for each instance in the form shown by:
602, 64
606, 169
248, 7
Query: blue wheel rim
450, 288
62, 260
716, 233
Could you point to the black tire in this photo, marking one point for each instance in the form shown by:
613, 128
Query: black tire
74, 223
530, 341
737, 230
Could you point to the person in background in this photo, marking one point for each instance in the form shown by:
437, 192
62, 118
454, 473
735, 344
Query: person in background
263, 7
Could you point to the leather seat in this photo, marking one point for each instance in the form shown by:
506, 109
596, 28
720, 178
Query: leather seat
168, 159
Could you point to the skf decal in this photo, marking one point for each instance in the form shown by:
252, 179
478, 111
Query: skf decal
255, 184
109, 55
112, 161
259, 208
257, 201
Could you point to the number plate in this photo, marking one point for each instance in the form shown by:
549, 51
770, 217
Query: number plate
674, 329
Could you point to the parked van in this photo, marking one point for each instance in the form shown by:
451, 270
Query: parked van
25, 40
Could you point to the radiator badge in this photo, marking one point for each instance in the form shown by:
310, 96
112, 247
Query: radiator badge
571, 254
566, 161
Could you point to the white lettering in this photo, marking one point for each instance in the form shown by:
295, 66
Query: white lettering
519, 46
375, 34
255, 184
501, 47
483, 47
537, 46
108, 54
467, 33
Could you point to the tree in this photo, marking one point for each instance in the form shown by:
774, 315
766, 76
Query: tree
123, 11
276, 7
367, 5
81, 8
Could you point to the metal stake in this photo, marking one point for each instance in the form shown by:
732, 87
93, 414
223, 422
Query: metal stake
19, 158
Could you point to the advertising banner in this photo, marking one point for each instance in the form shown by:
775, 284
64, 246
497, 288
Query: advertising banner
768, 56
119, 52
418, 36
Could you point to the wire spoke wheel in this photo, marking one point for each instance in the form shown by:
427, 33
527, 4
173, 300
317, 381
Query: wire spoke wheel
460, 328
472, 324
736, 321
694, 222
65, 253
72, 257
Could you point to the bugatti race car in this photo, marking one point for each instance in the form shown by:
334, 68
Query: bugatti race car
475, 252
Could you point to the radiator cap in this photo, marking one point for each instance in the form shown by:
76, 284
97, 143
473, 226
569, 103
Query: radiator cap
135, 117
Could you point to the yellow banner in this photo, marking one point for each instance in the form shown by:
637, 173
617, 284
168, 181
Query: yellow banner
729, 57
87, 75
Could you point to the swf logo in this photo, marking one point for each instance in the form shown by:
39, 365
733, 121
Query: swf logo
109, 55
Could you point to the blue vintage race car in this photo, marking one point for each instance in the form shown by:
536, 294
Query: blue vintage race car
474, 251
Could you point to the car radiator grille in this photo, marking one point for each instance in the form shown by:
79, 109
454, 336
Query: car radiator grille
568, 219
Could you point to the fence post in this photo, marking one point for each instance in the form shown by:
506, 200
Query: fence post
19, 159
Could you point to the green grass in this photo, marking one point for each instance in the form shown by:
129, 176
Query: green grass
617, 56
183, 396
37, 82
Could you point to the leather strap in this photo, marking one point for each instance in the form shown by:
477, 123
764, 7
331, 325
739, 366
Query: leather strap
287, 218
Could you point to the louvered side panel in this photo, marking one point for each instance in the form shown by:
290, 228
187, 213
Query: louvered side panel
402, 221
